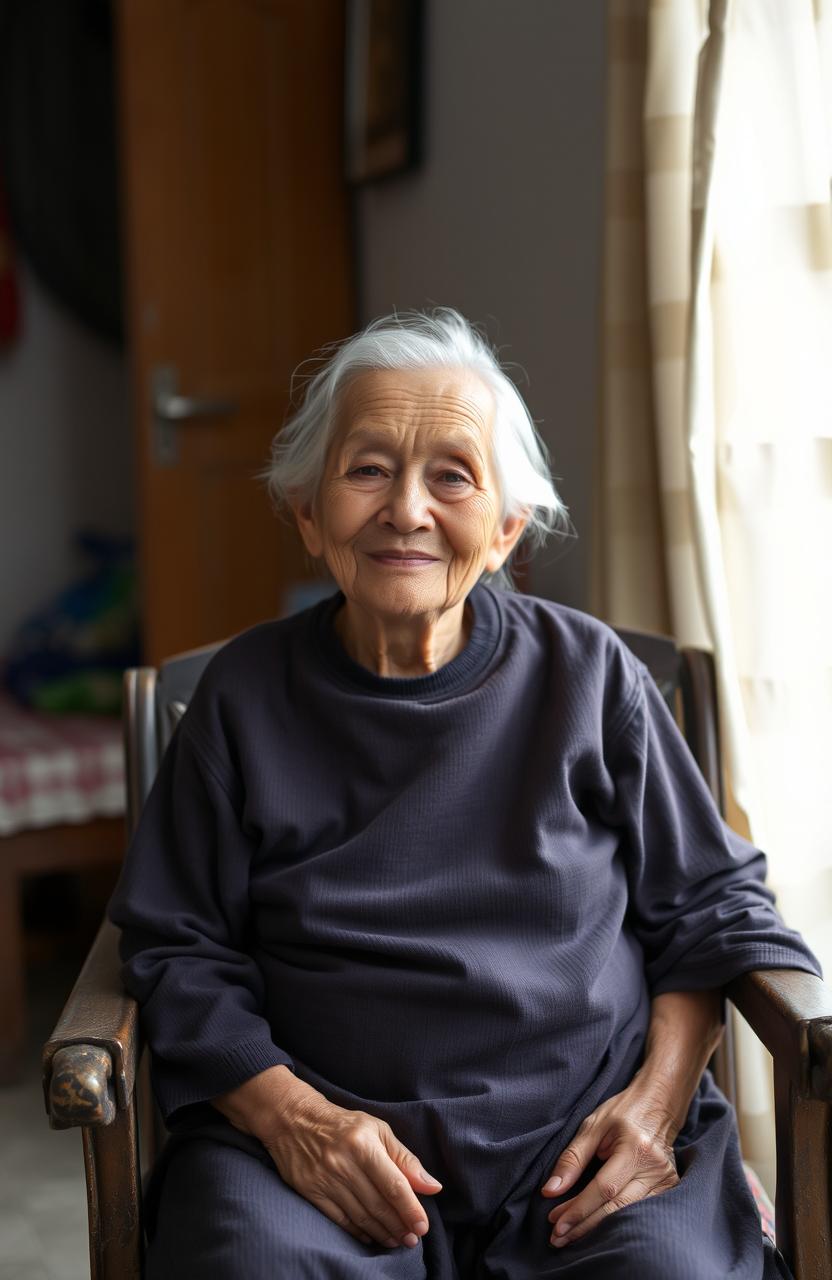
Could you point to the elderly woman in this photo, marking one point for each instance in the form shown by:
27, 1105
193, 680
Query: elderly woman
429, 909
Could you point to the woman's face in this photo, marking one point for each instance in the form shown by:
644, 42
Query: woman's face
408, 513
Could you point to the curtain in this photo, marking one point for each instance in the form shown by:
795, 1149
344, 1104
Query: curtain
713, 516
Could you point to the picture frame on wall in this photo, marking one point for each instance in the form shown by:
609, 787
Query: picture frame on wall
383, 88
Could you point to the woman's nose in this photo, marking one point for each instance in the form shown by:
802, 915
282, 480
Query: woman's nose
407, 505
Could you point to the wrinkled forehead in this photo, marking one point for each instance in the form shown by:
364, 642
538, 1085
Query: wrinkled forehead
455, 402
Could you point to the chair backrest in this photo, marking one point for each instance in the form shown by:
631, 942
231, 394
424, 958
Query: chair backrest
154, 702
687, 680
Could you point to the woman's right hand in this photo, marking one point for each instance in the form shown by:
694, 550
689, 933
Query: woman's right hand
349, 1164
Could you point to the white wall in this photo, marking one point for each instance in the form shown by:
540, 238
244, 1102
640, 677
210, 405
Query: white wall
505, 219
65, 451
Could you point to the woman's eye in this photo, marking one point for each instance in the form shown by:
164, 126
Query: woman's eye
453, 478
368, 470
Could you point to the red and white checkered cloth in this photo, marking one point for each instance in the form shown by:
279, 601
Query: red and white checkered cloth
57, 768
762, 1201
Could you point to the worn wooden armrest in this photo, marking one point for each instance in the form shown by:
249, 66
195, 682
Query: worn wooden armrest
89, 1061
791, 1012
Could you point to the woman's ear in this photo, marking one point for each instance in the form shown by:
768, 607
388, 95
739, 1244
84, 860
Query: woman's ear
307, 520
506, 537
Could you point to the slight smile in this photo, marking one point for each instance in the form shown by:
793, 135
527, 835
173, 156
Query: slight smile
401, 562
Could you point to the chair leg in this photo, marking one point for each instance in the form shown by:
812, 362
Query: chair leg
12, 979
115, 1221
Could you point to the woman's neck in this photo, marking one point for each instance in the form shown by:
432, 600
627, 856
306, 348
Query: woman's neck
403, 647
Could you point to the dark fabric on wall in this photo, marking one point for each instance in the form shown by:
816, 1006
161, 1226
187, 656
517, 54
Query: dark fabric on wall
58, 151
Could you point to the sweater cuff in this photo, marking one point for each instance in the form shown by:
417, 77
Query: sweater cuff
176, 1087
708, 976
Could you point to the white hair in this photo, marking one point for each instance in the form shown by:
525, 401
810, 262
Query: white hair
421, 340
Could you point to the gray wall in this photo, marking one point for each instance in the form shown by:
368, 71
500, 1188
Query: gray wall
65, 451
504, 221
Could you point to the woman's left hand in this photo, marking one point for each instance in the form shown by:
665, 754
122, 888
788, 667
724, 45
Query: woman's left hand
633, 1134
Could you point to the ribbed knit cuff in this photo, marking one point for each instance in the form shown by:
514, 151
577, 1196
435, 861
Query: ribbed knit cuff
205, 1078
690, 976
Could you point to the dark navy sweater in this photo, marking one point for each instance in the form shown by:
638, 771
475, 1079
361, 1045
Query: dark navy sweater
450, 896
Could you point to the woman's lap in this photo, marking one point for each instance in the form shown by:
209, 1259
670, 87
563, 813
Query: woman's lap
220, 1209
223, 1213
704, 1228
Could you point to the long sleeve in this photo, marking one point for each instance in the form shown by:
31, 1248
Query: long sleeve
698, 901
182, 903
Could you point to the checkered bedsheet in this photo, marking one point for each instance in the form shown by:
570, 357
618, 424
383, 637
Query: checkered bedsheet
57, 768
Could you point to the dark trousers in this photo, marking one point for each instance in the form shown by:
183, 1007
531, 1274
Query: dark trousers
218, 1209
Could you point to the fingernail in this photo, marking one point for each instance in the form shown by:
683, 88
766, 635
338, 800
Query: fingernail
429, 1178
410, 1240
420, 1227
562, 1227
553, 1184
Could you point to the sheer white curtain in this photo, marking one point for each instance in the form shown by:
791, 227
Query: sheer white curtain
728, 136
759, 422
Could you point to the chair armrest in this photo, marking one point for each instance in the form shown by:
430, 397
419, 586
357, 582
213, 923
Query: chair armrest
89, 1062
791, 1012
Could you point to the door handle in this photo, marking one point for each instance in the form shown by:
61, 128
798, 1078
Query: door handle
180, 408
170, 409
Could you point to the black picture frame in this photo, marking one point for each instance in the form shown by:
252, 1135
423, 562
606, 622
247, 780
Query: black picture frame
382, 116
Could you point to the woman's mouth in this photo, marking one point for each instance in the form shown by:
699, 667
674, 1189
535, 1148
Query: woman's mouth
399, 560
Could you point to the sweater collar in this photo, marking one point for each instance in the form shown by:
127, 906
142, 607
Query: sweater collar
454, 677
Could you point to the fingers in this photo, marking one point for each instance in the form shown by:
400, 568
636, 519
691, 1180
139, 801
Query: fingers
406, 1161
386, 1197
633, 1192
370, 1195
360, 1212
636, 1169
388, 1168
573, 1159
352, 1167
608, 1186
341, 1219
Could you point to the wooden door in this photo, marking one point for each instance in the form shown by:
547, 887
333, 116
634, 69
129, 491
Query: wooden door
238, 267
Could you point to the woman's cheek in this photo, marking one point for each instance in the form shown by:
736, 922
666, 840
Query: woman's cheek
480, 529
463, 572
342, 565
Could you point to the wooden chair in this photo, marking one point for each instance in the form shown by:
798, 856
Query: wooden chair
95, 1073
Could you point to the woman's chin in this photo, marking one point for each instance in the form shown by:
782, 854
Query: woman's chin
398, 600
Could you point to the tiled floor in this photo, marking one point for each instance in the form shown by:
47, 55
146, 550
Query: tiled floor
43, 1211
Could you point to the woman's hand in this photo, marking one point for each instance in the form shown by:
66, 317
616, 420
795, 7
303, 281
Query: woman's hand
632, 1133
349, 1164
